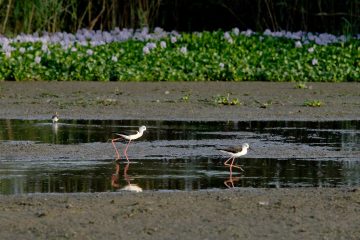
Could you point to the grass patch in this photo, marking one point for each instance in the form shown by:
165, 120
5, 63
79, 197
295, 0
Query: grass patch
313, 103
225, 100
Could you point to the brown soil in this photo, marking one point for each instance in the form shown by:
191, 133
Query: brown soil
296, 213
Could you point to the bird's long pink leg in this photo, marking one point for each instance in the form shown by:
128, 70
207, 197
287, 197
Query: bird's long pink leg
117, 152
232, 164
227, 164
125, 151
236, 166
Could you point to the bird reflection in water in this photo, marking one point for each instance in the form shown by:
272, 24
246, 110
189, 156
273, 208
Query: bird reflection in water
229, 183
115, 179
55, 128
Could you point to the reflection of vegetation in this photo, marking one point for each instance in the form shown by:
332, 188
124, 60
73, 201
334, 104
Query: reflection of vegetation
178, 174
75, 131
92, 178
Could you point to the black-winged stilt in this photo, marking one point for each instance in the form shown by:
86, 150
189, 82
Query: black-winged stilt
55, 118
235, 152
131, 137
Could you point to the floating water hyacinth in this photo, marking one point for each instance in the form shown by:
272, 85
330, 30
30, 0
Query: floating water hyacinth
183, 50
37, 59
173, 39
247, 55
236, 31
44, 48
298, 44
314, 62
96, 37
151, 45
227, 35
114, 59
163, 44
305, 37
89, 52
146, 50
248, 33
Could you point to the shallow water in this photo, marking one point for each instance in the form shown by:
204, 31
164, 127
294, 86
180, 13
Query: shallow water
183, 156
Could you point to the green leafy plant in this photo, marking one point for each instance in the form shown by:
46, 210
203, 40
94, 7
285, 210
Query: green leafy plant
186, 97
204, 56
225, 100
313, 103
301, 85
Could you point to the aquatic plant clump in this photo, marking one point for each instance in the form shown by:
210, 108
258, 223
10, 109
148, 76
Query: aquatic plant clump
141, 55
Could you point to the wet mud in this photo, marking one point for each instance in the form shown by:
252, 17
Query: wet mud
234, 213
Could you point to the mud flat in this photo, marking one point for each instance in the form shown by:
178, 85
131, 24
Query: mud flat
292, 213
179, 100
231, 214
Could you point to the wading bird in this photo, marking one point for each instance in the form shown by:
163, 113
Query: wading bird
235, 152
55, 118
131, 137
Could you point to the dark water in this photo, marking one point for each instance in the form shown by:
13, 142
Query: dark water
182, 171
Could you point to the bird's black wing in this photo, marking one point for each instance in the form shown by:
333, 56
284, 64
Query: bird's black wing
233, 149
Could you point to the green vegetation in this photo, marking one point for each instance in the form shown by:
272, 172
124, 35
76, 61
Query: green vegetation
313, 103
301, 85
186, 97
225, 100
192, 57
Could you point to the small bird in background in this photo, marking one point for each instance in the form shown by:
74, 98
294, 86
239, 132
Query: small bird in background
235, 152
131, 137
55, 118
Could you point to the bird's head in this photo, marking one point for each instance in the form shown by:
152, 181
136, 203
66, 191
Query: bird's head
142, 129
246, 145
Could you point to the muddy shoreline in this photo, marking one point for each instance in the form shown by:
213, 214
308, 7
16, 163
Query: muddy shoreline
294, 213
187, 101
